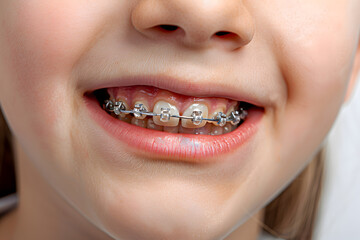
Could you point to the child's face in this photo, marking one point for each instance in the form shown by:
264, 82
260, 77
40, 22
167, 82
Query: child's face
291, 58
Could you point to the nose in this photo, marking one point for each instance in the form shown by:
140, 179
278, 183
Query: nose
195, 23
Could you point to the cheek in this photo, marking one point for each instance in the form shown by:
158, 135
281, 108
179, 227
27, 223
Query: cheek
48, 37
43, 40
316, 64
41, 43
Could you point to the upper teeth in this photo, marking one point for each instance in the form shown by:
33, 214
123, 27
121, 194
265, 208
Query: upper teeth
166, 114
165, 110
197, 117
138, 110
118, 106
197, 111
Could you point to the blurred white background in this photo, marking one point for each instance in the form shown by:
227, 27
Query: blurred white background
340, 204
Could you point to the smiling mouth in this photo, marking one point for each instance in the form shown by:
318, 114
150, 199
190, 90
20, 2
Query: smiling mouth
159, 123
161, 110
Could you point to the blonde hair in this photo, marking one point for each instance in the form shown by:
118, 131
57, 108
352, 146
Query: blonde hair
290, 216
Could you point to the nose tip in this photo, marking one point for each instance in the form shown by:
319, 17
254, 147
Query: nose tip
201, 24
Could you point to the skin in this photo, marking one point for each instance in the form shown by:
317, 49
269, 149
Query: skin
297, 56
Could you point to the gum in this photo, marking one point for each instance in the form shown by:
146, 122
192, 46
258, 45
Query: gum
151, 95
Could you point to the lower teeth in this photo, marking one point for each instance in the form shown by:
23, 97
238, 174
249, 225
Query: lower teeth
208, 129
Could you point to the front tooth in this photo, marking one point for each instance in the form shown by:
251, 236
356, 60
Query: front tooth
221, 119
166, 109
186, 130
194, 110
227, 128
139, 122
215, 113
171, 129
152, 125
125, 107
205, 130
234, 115
140, 106
217, 130
126, 118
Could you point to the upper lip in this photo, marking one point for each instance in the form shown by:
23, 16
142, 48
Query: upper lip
203, 88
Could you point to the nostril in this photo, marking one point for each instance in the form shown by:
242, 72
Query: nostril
169, 28
222, 33
228, 40
228, 37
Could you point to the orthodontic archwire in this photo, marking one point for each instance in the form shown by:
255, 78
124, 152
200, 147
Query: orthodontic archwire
139, 111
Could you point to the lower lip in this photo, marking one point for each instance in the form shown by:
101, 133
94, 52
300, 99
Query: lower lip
175, 146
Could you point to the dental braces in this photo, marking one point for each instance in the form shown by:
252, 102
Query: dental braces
140, 112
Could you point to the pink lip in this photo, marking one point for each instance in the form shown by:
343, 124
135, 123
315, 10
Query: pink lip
175, 147
183, 86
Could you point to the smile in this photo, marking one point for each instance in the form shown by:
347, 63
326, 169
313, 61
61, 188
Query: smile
173, 126
165, 115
